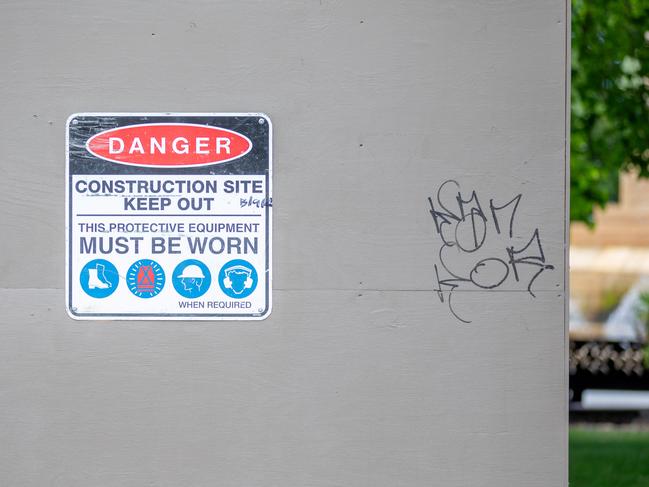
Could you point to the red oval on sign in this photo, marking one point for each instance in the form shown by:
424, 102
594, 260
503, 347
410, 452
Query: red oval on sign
168, 145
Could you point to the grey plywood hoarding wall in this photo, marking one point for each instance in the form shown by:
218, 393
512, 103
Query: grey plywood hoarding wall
415, 339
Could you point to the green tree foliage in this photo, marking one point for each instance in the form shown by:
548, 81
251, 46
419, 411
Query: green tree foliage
610, 95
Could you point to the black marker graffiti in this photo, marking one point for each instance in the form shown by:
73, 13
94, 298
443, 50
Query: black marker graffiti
482, 243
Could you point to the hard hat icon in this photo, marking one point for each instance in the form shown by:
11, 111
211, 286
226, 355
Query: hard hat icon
192, 272
191, 278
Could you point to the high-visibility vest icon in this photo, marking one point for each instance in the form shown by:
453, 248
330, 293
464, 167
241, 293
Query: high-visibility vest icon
145, 279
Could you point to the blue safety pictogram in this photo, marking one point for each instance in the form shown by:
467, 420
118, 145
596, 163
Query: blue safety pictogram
238, 278
99, 278
191, 278
145, 278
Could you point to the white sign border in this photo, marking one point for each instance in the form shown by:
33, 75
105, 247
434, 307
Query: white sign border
167, 317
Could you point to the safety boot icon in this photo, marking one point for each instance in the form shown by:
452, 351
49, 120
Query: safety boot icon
97, 279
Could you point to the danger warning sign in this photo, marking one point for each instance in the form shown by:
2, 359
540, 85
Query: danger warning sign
168, 216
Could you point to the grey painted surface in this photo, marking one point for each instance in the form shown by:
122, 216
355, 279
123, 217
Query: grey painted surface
360, 376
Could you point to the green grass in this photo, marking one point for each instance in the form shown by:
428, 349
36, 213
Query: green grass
609, 458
